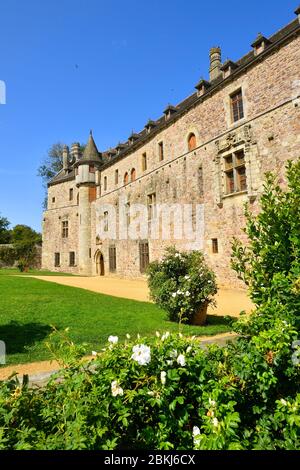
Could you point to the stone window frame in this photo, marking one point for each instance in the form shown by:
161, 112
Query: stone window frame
240, 84
144, 255
144, 162
65, 228
116, 176
151, 206
57, 259
161, 150
112, 258
192, 130
72, 259
234, 141
234, 169
215, 246
105, 183
71, 194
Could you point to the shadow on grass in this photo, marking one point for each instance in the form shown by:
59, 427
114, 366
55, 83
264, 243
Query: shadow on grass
19, 336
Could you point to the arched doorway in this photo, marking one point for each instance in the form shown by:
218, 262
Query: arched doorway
99, 263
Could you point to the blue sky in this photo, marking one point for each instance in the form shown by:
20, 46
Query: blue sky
107, 65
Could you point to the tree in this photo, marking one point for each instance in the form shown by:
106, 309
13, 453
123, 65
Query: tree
269, 265
4, 232
25, 241
52, 164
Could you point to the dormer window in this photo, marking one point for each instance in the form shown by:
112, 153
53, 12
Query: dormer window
92, 169
133, 138
202, 87
150, 125
169, 111
260, 44
228, 67
119, 148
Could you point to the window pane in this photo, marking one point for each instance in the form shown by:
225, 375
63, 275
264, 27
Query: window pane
229, 182
241, 179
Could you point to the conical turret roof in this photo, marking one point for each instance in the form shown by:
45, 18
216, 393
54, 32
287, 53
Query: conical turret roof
91, 152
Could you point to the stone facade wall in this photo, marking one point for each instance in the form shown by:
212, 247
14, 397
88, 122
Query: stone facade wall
269, 135
61, 209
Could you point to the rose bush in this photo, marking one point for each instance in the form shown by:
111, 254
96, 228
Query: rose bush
181, 284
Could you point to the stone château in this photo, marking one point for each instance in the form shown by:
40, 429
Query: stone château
211, 150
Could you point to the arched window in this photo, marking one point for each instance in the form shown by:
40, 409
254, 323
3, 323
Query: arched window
126, 178
133, 174
192, 142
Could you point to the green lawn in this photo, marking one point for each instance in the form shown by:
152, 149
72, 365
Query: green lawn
31, 272
29, 307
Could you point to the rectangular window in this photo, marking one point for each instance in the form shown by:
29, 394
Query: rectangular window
53, 200
144, 162
105, 228
72, 258
90, 252
161, 151
151, 204
237, 106
105, 183
116, 176
235, 172
92, 194
112, 259
215, 245
56, 260
65, 229
144, 256
92, 169
71, 194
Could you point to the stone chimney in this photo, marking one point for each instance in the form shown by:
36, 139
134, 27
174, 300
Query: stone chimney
66, 159
215, 63
75, 150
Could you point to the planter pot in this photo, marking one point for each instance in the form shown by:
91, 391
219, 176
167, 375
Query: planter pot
200, 315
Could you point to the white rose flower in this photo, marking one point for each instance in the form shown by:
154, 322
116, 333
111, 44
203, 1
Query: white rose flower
215, 422
186, 278
174, 295
165, 336
113, 339
283, 402
173, 353
116, 389
181, 360
141, 354
163, 377
211, 402
187, 293
196, 431
128, 336
189, 349
94, 353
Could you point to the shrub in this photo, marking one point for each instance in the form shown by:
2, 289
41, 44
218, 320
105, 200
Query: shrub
181, 284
